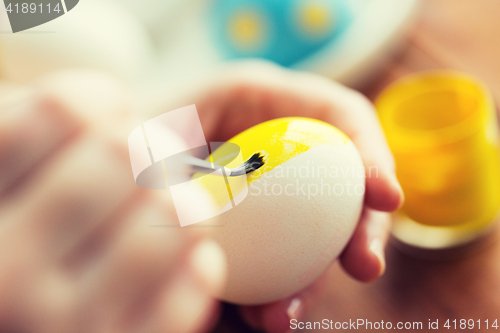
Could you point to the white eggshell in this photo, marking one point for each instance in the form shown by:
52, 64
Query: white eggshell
96, 34
278, 243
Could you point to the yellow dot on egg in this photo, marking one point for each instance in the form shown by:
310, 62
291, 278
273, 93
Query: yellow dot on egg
247, 30
315, 18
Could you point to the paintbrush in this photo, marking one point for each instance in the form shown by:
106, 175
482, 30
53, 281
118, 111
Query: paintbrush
199, 165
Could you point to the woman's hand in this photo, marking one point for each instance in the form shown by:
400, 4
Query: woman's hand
78, 248
246, 94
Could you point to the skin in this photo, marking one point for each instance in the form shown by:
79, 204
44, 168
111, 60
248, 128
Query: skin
75, 254
261, 92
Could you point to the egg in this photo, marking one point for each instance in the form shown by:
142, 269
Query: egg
96, 34
293, 216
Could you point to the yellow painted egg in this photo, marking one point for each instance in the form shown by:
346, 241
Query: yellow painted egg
284, 225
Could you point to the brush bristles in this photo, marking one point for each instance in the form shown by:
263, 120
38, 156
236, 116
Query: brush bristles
254, 163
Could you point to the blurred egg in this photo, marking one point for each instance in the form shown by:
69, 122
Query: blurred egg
294, 215
96, 34
155, 15
278, 30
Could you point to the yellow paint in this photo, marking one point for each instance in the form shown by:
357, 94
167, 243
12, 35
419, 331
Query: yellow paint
247, 29
278, 141
442, 129
315, 18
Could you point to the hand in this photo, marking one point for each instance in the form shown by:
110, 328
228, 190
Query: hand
246, 94
77, 250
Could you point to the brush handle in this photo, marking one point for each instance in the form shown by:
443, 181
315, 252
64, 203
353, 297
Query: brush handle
199, 165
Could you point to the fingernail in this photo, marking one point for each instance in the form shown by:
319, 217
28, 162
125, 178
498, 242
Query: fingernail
209, 262
294, 310
377, 248
397, 186
401, 195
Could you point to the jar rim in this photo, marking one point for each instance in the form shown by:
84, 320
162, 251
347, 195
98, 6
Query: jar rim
421, 83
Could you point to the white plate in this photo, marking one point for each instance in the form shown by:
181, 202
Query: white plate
377, 27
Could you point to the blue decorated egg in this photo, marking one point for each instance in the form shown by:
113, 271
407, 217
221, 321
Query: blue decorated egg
282, 31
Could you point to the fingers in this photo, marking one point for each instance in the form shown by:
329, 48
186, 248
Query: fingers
75, 191
72, 172
34, 125
137, 259
155, 279
303, 94
355, 115
81, 196
30, 130
247, 93
186, 305
280, 316
363, 258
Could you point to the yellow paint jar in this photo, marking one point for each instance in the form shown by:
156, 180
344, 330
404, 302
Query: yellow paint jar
442, 129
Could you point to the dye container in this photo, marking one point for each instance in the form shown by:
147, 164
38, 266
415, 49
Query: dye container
442, 129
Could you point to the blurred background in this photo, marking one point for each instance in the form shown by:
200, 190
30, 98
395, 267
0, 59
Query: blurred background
366, 44
144, 41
